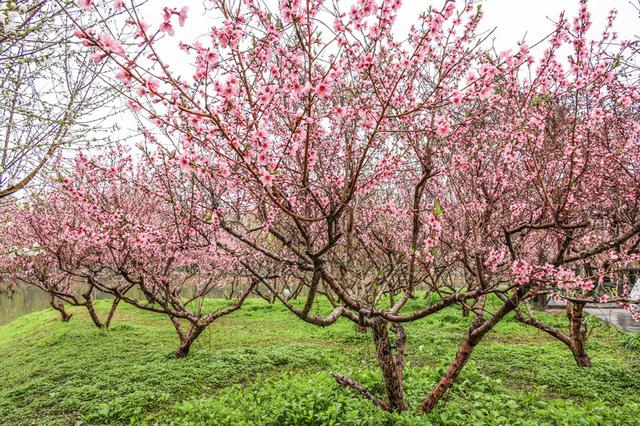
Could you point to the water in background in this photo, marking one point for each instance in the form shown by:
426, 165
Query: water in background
27, 299
21, 302
24, 300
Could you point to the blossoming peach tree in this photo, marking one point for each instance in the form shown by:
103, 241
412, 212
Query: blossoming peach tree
45, 248
142, 217
336, 157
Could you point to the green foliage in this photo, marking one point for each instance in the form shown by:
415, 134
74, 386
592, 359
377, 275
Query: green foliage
631, 342
315, 400
263, 366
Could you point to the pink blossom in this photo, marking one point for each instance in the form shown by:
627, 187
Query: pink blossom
166, 27
486, 92
183, 162
98, 57
110, 45
262, 159
266, 178
449, 9
85, 4
598, 113
625, 100
323, 89
134, 105
182, 16
521, 270
153, 84
456, 97
443, 128
124, 76
82, 35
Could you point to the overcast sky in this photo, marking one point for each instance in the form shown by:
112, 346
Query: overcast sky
515, 18
512, 19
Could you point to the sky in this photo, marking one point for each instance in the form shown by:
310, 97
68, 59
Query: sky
511, 20
515, 18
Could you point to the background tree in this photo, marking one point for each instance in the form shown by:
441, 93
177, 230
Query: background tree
46, 247
51, 95
145, 219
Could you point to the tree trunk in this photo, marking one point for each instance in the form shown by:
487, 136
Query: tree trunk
476, 332
578, 350
59, 306
393, 381
187, 340
92, 312
446, 381
578, 330
401, 340
112, 311
581, 356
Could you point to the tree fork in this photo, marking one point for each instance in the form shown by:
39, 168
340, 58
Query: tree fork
187, 340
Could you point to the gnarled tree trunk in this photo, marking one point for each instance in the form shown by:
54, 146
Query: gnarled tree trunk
578, 330
187, 339
392, 367
59, 306
392, 371
475, 334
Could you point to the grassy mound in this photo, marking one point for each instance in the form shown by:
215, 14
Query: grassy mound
261, 365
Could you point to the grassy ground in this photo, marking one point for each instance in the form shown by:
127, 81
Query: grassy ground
261, 365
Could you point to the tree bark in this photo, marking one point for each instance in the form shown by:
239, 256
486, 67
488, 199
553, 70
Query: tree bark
476, 332
187, 340
112, 311
392, 368
393, 381
578, 350
401, 340
92, 312
59, 306
578, 330
449, 377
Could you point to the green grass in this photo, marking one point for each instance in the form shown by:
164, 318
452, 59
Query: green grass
261, 365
